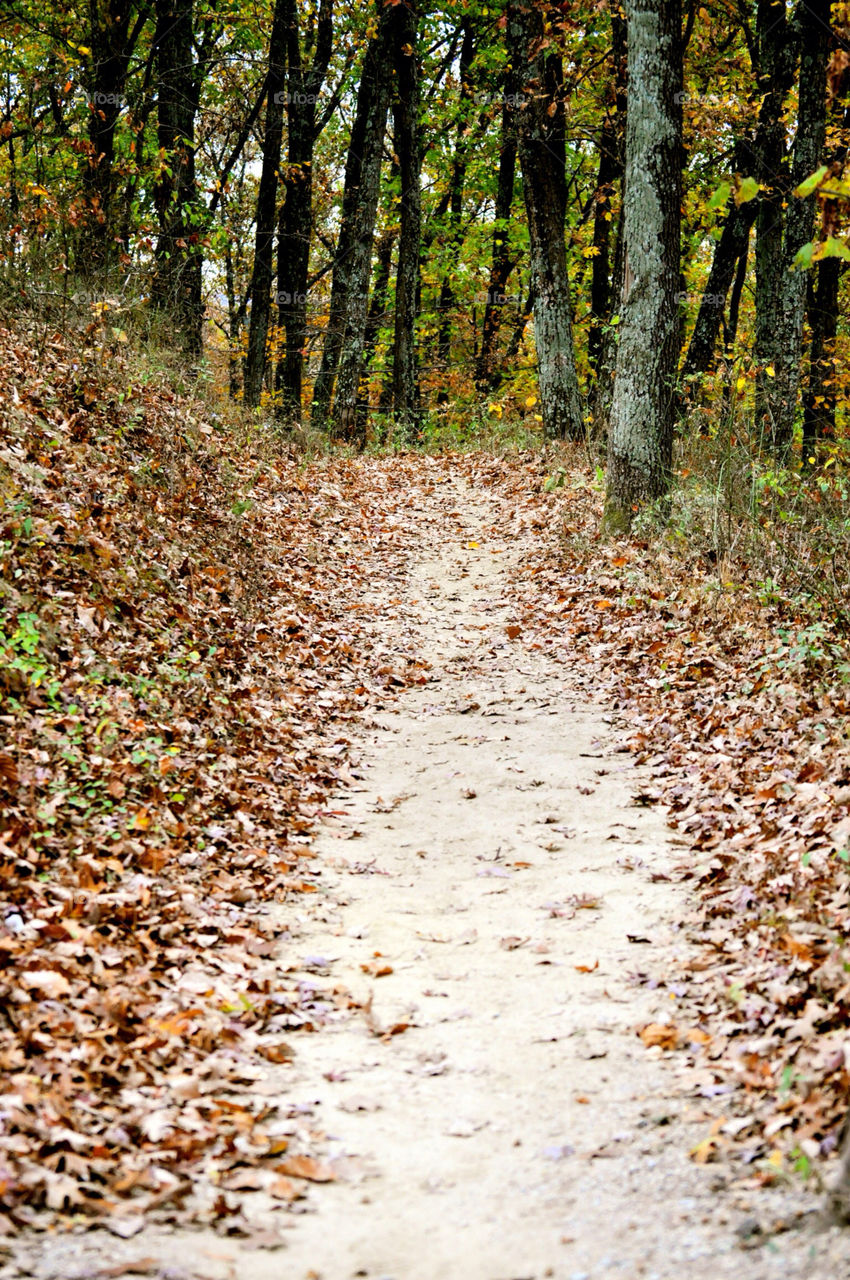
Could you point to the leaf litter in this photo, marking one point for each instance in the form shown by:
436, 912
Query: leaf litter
185, 635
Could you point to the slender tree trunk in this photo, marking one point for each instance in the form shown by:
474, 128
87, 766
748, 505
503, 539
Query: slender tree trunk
729, 250
502, 263
404, 43
376, 317
359, 208
113, 30
819, 398
295, 227
454, 237
177, 281
774, 77
542, 160
644, 406
611, 160
284, 19
820, 395
800, 215
349, 424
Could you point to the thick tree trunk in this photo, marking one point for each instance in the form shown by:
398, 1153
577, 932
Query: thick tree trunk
284, 19
542, 160
643, 409
800, 216
404, 43
611, 160
295, 227
177, 281
359, 208
502, 263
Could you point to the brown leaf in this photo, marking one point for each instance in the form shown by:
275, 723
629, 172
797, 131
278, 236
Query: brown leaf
307, 1167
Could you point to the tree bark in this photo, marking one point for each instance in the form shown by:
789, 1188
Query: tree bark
376, 317
113, 31
800, 216
177, 281
284, 19
359, 209
729, 250
295, 227
348, 423
541, 146
611, 160
404, 44
643, 410
502, 263
454, 237
774, 75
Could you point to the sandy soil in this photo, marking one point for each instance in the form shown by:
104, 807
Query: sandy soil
492, 857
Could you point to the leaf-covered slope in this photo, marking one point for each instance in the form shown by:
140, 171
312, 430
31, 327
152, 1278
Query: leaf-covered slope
177, 661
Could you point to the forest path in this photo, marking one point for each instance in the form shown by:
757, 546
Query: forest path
487, 1108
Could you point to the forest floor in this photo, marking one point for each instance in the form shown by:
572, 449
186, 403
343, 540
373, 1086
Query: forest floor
397, 880
504, 1093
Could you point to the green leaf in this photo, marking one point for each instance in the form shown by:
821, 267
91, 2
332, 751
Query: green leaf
721, 196
747, 190
806, 188
803, 258
832, 248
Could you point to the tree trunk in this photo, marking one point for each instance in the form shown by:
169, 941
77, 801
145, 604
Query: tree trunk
376, 317
112, 41
643, 410
800, 215
404, 44
456, 184
177, 281
359, 208
729, 250
611, 159
820, 395
819, 398
284, 19
541, 146
349, 424
774, 74
502, 263
295, 227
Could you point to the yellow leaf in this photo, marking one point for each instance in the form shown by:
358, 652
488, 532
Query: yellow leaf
84, 50
770, 371
471, 546
532, 400
741, 385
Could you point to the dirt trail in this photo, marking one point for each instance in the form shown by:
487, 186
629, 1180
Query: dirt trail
493, 858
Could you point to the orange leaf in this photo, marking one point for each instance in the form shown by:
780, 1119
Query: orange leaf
663, 1034
307, 1167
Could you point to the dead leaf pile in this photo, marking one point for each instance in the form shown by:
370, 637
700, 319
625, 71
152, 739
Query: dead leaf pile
744, 724
185, 633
